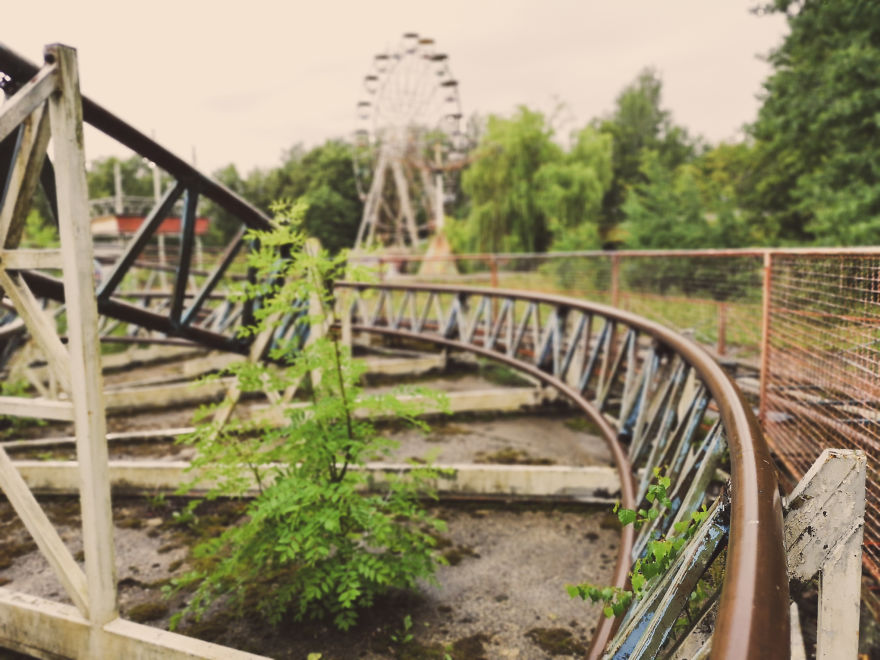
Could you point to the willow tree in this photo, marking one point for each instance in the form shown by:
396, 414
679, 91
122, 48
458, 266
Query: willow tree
501, 182
526, 191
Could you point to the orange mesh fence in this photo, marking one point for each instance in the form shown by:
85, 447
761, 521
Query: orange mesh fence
823, 361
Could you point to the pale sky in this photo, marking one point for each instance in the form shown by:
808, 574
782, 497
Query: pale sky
240, 82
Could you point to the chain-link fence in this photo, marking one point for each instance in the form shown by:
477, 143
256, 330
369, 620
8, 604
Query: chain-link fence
822, 360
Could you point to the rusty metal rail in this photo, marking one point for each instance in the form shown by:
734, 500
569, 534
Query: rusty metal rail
658, 400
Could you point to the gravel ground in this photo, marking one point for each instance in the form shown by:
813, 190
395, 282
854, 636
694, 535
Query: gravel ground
501, 596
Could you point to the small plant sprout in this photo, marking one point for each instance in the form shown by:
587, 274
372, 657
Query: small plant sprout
658, 558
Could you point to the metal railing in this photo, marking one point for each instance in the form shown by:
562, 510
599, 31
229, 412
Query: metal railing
658, 400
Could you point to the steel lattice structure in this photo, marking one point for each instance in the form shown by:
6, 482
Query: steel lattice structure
408, 143
659, 401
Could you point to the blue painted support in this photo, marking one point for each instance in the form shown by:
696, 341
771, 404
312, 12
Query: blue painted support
573, 341
685, 433
660, 426
146, 230
423, 318
380, 303
211, 283
544, 344
503, 313
603, 339
521, 330
633, 416
401, 311
480, 313
624, 352
187, 238
688, 489
651, 620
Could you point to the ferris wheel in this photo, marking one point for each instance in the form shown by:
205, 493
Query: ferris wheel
408, 144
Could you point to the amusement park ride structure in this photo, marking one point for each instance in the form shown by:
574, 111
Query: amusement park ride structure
408, 145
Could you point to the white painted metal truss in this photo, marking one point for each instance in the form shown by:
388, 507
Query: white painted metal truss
49, 106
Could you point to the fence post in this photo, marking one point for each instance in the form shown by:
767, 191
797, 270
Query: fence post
722, 328
615, 280
765, 336
493, 270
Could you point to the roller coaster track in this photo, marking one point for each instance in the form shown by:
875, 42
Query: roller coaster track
657, 399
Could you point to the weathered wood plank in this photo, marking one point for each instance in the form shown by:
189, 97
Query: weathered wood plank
39, 408
34, 92
22, 259
44, 628
592, 483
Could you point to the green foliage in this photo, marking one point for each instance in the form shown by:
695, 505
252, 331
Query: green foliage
527, 193
137, 177
313, 542
659, 557
322, 176
404, 636
637, 124
818, 130
501, 183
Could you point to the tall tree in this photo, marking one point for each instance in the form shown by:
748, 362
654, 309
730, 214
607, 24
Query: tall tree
570, 191
639, 123
818, 130
693, 206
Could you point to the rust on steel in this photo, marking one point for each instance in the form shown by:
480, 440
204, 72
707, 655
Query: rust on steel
753, 618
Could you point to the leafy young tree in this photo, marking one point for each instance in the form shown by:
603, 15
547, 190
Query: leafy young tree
312, 542
817, 132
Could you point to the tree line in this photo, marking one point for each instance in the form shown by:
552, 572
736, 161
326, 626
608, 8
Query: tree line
806, 172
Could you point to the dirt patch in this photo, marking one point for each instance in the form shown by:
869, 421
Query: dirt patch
514, 561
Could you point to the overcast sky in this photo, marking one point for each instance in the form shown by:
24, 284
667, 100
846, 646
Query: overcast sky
240, 82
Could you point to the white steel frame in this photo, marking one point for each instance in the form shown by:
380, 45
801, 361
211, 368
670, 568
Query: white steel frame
47, 106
